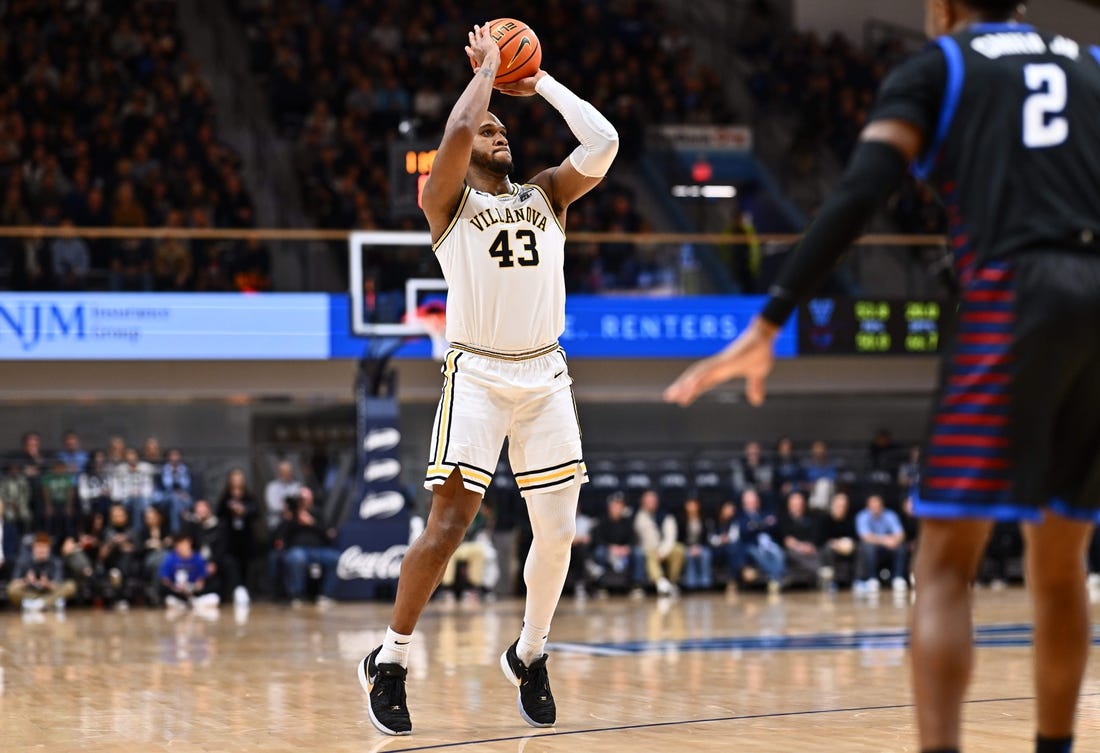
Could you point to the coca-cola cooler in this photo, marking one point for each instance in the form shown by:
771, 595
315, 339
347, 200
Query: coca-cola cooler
374, 536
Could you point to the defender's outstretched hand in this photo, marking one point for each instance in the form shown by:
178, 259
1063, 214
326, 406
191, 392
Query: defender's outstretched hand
750, 356
525, 87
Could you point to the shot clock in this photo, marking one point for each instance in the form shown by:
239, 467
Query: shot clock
410, 165
870, 326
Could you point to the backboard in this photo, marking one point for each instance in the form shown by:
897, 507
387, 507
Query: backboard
393, 279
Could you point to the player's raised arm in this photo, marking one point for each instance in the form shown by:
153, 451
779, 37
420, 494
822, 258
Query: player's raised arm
875, 172
582, 170
443, 188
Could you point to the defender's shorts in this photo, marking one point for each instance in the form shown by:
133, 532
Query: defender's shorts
1017, 428
528, 399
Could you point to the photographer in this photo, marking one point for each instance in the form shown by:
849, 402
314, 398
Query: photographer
305, 543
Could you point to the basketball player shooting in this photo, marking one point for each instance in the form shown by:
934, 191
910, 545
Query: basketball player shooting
501, 247
1005, 121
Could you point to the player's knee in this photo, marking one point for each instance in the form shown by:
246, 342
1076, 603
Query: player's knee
1053, 578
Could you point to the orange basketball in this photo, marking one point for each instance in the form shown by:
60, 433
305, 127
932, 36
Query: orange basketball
520, 51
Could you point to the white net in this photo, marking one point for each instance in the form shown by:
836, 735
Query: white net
436, 326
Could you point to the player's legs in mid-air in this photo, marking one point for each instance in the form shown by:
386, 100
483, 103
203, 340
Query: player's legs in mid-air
382, 673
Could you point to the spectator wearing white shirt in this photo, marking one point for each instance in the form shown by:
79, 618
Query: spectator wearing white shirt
132, 485
277, 491
660, 554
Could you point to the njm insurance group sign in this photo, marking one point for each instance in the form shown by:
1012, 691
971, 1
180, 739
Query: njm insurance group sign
122, 326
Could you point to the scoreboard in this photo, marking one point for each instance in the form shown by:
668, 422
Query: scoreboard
871, 326
410, 165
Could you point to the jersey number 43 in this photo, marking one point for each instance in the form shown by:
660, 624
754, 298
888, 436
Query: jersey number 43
501, 250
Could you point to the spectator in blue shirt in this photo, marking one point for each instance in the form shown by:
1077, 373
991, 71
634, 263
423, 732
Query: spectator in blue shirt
881, 537
757, 534
175, 481
183, 577
72, 454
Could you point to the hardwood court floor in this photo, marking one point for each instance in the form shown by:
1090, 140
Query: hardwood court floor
805, 672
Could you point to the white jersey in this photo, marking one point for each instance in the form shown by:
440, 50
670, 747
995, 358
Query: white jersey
503, 258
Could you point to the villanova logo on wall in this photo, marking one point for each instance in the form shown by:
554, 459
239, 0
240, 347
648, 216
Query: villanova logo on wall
821, 317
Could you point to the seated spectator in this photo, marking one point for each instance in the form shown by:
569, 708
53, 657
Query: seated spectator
660, 556
116, 453
77, 567
71, 261
94, 485
155, 540
173, 262
15, 490
210, 538
583, 570
757, 536
726, 543
132, 486
820, 474
175, 484
306, 543
72, 454
472, 551
695, 534
33, 464
10, 542
799, 533
81, 556
881, 538
751, 470
614, 544
278, 490
789, 473
39, 581
118, 554
838, 537
59, 498
183, 578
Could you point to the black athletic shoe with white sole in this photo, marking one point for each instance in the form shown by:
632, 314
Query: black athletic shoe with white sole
384, 685
536, 702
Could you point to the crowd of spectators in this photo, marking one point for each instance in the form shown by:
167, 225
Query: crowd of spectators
347, 80
119, 526
106, 121
829, 86
769, 520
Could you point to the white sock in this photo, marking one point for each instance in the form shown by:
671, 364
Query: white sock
553, 525
395, 648
532, 643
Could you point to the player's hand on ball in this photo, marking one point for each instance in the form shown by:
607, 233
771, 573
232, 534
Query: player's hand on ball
751, 356
482, 50
525, 87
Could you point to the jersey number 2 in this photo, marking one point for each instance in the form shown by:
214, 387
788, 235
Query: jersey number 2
1044, 125
501, 250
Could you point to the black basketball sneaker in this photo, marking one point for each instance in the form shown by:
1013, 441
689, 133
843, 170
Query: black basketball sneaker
384, 685
536, 702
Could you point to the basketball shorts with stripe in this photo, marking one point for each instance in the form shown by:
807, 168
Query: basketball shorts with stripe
1017, 424
486, 399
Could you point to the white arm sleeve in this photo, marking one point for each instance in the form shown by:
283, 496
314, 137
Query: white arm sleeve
599, 140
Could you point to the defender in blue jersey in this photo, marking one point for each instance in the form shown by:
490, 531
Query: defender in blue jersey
1004, 120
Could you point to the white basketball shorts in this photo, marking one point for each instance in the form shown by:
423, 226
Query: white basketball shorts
527, 398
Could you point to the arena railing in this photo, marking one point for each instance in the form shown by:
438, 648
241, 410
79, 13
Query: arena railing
882, 264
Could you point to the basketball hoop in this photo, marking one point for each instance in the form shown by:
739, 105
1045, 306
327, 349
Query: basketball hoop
435, 324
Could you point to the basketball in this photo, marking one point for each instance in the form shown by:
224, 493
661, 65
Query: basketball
520, 51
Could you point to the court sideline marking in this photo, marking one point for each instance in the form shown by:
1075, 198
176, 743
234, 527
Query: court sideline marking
684, 722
